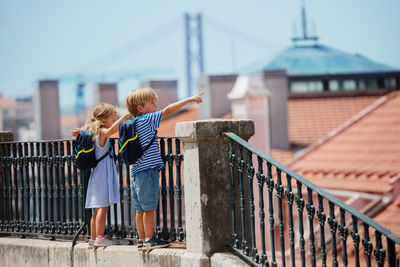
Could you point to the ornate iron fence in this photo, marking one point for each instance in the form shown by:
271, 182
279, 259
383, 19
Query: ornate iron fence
42, 193
290, 239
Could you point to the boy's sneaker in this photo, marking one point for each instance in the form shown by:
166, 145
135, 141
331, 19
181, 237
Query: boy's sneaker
139, 245
154, 242
104, 242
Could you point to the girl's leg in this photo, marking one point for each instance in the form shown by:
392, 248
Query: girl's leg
139, 225
101, 220
93, 233
148, 220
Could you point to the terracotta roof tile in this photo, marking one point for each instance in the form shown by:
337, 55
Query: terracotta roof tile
283, 156
366, 151
389, 217
313, 118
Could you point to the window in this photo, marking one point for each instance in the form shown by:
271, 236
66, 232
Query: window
334, 85
390, 82
349, 85
367, 84
315, 86
298, 87
306, 87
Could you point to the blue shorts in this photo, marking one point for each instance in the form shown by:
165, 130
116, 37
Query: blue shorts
145, 189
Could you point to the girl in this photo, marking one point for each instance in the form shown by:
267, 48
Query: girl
103, 189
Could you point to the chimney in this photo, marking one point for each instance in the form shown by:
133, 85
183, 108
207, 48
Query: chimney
250, 100
215, 101
276, 81
262, 97
106, 93
166, 91
47, 110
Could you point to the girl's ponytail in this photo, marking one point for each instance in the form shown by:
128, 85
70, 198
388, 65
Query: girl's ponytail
100, 112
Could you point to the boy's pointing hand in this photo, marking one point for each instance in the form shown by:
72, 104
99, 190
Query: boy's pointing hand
197, 98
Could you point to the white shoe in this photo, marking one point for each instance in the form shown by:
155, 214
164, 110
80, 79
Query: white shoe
91, 243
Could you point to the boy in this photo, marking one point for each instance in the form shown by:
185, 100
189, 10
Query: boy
145, 180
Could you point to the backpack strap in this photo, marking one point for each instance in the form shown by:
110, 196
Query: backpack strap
102, 157
105, 155
152, 140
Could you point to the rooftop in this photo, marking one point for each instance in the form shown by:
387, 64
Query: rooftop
361, 155
322, 60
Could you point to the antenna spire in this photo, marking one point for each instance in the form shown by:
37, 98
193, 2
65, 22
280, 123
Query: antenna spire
305, 36
304, 20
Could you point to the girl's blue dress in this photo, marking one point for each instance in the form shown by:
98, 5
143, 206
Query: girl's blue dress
103, 188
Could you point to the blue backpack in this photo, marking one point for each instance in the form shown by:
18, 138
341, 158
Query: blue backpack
130, 148
85, 154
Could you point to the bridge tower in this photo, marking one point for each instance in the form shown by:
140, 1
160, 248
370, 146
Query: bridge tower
194, 49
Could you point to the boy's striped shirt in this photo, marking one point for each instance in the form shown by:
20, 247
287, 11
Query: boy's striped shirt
146, 126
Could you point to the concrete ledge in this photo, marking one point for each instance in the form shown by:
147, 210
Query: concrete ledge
123, 255
34, 253
15, 252
227, 259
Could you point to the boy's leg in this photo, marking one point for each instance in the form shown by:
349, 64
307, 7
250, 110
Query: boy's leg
151, 240
148, 220
146, 185
140, 225
101, 221
145, 189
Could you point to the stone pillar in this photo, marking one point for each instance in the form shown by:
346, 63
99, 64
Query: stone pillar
47, 110
277, 84
215, 101
207, 186
165, 89
106, 93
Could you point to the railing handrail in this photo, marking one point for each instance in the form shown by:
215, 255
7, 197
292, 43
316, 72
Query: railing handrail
315, 188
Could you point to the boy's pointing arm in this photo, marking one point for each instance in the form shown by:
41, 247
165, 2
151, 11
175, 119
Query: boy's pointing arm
175, 107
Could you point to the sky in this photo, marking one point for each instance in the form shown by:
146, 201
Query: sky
47, 39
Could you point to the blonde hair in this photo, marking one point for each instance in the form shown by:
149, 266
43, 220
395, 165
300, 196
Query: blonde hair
139, 96
100, 112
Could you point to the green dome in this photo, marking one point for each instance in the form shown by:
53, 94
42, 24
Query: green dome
323, 60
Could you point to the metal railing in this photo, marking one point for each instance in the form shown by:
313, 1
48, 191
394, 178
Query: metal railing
290, 240
42, 193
